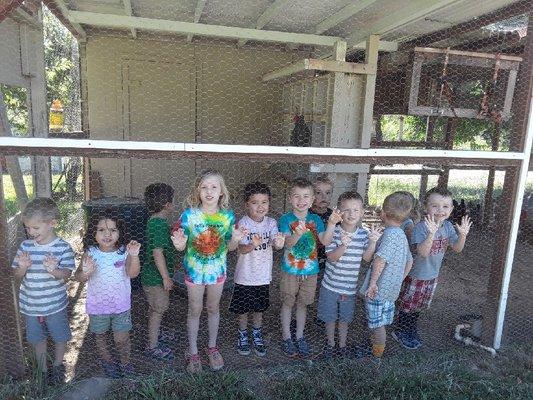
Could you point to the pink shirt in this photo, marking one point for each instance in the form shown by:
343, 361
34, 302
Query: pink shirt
255, 267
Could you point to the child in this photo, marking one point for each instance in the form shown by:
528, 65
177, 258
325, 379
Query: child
391, 264
323, 188
158, 266
337, 293
108, 266
414, 216
253, 272
299, 265
431, 238
206, 233
44, 262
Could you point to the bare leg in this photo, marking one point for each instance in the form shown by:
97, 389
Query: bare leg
40, 355
258, 320
214, 292
59, 352
286, 314
343, 333
154, 323
330, 332
123, 343
301, 314
101, 345
243, 321
196, 299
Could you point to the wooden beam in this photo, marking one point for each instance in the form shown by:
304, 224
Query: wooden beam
7, 7
267, 16
161, 25
390, 21
22, 16
60, 10
474, 54
343, 14
320, 65
128, 9
200, 4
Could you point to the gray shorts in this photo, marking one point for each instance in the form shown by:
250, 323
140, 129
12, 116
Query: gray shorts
100, 323
38, 328
333, 306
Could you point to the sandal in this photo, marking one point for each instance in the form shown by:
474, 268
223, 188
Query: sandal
215, 358
194, 364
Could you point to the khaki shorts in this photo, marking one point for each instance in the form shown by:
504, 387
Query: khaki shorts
297, 288
157, 298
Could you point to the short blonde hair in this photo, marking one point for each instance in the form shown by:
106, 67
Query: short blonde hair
193, 199
397, 206
41, 207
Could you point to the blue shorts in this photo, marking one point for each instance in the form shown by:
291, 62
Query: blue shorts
56, 325
379, 313
333, 306
100, 323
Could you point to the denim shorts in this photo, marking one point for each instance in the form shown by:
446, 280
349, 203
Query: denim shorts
56, 325
379, 312
333, 306
100, 323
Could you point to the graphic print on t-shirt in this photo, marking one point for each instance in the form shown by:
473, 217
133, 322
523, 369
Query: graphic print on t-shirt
306, 248
439, 246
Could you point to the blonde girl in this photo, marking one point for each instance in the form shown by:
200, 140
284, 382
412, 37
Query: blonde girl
206, 232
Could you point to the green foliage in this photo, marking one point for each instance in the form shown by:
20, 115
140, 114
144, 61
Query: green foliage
15, 99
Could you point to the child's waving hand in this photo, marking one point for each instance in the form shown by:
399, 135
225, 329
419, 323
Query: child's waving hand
179, 239
239, 233
464, 227
374, 233
431, 225
88, 265
133, 248
300, 228
50, 262
23, 260
335, 217
279, 240
346, 238
256, 239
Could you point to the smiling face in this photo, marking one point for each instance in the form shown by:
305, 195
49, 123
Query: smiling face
210, 191
257, 206
301, 199
42, 231
439, 207
323, 192
107, 235
352, 213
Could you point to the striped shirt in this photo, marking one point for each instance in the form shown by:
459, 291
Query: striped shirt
341, 276
40, 293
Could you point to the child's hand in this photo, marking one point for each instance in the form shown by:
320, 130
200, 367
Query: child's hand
88, 266
179, 239
335, 217
372, 291
168, 283
300, 228
346, 238
50, 262
239, 233
465, 225
23, 260
133, 248
279, 240
256, 239
431, 225
374, 233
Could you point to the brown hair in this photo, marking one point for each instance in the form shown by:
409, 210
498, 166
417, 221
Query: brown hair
41, 207
301, 183
440, 190
350, 195
397, 206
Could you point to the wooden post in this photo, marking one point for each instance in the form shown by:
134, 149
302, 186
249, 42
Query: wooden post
451, 126
11, 358
430, 127
489, 193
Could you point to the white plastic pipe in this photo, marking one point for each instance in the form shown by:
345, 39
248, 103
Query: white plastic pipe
469, 341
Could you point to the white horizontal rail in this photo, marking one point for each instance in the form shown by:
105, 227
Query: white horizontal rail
16, 145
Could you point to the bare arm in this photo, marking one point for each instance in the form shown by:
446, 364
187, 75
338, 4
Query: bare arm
377, 268
133, 265
408, 267
245, 248
161, 264
61, 273
334, 255
327, 236
20, 272
369, 252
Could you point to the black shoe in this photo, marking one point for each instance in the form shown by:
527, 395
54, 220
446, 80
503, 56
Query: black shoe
57, 375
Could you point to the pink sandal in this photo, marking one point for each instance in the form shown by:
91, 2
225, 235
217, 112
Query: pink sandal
215, 358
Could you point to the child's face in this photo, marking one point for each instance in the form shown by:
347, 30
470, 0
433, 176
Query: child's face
439, 207
301, 199
352, 212
42, 231
210, 191
257, 206
323, 193
107, 235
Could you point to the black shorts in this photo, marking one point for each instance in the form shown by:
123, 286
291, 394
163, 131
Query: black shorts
247, 299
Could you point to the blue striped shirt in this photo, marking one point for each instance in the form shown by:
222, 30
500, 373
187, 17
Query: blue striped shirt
40, 293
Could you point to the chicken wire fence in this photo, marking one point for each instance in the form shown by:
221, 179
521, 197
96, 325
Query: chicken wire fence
465, 91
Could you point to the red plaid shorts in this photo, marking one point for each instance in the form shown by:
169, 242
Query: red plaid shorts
416, 294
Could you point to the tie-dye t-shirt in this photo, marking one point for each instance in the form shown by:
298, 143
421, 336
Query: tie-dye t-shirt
207, 244
302, 258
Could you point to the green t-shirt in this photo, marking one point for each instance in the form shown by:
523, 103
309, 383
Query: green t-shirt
157, 237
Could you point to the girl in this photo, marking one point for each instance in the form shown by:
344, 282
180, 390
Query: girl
206, 232
107, 266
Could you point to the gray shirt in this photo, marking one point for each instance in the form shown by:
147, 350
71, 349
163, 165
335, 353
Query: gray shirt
426, 268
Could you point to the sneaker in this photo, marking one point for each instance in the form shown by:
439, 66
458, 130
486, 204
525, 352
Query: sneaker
111, 369
57, 375
216, 361
243, 347
404, 339
259, 344
289, 348
363, 352
417, 342
161, 352
303, 348
166, 336
194, 364
127, 370
328, 352
345, 352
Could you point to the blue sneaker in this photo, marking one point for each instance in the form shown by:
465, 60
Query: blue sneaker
160, 352
289, 348
111, 369
303, 348
405, 339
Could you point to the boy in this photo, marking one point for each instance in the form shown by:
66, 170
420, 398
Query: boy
253, 272
391, 264
299, 265
44, 262
431, 238
337, 293
323, 188
158, 267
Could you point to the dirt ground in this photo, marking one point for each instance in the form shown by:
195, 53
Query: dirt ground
462, 290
